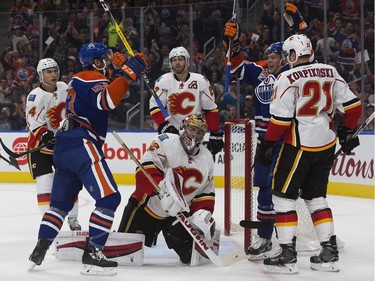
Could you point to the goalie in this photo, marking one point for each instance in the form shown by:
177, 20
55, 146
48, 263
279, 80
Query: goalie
183, 167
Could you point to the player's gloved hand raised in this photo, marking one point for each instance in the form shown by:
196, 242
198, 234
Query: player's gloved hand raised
167, 127
232, 32
134, 66
264, 151
48, 137
215, 142
345, 139
203, 221
118, 60
294, 18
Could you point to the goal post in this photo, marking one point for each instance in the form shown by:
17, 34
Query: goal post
238, 190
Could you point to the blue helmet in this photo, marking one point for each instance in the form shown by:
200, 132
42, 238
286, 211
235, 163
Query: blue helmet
91, 51
276, 48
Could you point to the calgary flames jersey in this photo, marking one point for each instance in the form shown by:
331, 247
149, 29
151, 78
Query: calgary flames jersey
184, 98
44, 111
304, 102
196, 171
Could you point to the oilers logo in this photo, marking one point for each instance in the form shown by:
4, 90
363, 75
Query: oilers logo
264, 90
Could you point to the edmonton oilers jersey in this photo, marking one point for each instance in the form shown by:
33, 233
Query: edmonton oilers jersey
263, 82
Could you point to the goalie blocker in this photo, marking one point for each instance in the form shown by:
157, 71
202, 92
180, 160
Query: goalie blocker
125, 248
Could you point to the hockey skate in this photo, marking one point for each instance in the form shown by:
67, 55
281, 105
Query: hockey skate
39, 252
283, 260
96, 263
260, 250
328, 257
74, 224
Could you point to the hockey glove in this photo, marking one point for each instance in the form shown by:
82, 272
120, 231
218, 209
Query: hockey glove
232, 32
346, 140
294, 18
172, 200
215, 142
117, 60
167, 127
49, 138
202, 221
264, 152
134, 66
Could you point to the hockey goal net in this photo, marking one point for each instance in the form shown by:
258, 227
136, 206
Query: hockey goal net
240, 196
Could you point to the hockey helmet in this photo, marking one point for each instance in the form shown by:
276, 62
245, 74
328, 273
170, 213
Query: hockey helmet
91, 51
274, 48
45, 64
300, 44
192, 130
179, 52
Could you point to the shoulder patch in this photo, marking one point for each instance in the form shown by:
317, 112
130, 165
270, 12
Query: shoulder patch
31, 97
163, 137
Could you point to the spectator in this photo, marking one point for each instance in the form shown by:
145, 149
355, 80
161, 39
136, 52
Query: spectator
5, 92
248, 110
7, 122
18, 35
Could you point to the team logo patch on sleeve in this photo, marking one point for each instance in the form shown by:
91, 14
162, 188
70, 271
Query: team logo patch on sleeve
31, 97
163, 137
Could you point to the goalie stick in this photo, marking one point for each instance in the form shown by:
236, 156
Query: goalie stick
359, 129
216, 260
144, 76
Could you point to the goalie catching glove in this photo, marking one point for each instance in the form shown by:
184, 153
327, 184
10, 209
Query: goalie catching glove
346, 140
294, 18
232, 32
202, 221
172, 200
134, 66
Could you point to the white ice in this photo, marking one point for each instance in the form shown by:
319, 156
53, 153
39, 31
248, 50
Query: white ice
19, 223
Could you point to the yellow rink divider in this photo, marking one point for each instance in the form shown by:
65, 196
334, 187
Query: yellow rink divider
334, 188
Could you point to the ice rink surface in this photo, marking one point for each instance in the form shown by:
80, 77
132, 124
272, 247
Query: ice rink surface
19, 223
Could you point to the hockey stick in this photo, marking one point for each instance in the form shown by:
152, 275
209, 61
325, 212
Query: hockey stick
12, 162
15, 155
216, 260
359, 129
256, 224
130, 51
229, 53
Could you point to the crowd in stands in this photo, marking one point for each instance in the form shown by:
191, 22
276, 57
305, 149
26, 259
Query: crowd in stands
66, 26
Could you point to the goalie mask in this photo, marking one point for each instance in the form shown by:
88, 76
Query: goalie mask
192, 130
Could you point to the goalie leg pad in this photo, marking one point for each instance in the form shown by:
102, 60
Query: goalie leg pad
178, 239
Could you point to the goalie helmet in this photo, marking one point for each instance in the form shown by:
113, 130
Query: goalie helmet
91, 51
45, 64
300, 44
179, 52
192, 130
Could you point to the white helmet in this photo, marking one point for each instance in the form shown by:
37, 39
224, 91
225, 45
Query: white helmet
300, 44
45, 64
179, 52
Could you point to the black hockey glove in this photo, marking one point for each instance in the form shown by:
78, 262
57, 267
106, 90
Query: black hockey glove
264, 151
345, 139
48, 137
167, 127
215, 142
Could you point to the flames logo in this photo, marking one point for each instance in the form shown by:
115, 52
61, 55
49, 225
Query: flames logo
55, 114
179, 103
191, 178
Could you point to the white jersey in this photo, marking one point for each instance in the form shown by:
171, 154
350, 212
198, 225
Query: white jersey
307, 96
197, 185
45, 110
184, 98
